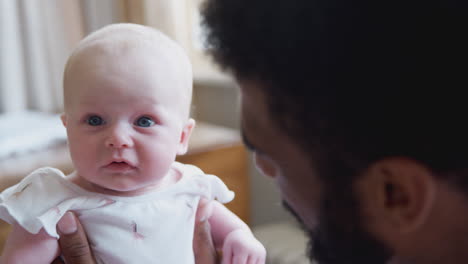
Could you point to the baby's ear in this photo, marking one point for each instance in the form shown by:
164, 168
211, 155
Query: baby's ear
185, 136
63, 117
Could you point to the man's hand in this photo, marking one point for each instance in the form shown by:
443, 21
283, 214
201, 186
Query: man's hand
73, 241
203, 247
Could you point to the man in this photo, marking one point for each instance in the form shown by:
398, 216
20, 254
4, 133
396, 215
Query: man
355, 109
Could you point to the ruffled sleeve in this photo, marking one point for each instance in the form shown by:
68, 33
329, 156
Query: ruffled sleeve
41, 199
218, 190
209, 186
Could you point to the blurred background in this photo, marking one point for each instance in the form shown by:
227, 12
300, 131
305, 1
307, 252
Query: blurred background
36, 37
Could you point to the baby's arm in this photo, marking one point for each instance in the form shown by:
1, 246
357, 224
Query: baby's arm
24, 247
234, 237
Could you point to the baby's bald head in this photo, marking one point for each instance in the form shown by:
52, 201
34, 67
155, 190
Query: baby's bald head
118, 48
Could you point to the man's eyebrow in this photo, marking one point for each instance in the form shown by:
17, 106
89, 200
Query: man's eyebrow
247, 142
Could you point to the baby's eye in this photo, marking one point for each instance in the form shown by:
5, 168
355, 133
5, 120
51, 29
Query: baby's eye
94, 120
144, 122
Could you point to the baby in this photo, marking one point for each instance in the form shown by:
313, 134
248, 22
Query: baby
127, 95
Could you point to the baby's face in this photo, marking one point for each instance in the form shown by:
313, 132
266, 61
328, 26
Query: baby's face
126, 117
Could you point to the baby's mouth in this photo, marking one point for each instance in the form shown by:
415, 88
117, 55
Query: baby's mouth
119, 166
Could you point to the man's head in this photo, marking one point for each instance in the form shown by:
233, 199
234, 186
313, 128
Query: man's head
127, 94
356, 109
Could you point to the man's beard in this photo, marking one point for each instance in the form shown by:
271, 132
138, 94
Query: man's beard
340, 237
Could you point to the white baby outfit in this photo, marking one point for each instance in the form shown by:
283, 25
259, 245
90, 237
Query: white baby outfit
155, 227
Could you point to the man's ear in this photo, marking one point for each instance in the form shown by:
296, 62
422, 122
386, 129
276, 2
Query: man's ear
185, 136
63, 117
397, 195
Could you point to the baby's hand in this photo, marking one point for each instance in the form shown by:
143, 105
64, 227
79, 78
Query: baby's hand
241, 247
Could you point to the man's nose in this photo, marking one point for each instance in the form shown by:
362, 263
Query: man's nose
119, 137
265, 166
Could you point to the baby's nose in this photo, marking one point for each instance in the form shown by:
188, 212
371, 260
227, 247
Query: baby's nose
119, 138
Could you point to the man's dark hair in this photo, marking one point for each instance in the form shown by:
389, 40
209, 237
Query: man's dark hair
354, 82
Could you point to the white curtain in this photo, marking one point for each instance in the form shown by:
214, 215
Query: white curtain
180, 20
36, 37
12, 85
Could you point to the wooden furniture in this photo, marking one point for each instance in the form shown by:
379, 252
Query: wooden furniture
216, 150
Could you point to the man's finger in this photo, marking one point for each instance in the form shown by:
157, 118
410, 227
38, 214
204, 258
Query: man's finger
204, 210
73, 241
58, 261
203, 246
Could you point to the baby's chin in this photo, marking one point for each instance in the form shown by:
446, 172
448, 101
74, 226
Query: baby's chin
122, 190
130, 190
108, 189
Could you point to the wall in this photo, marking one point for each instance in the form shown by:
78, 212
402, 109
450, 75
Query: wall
217, 101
